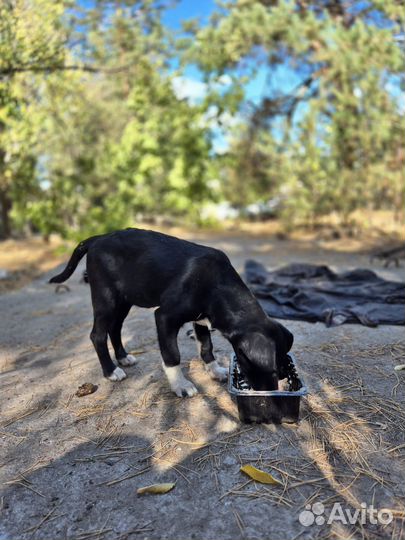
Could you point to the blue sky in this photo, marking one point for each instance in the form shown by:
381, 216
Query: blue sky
191, 84
283, 79
188, 9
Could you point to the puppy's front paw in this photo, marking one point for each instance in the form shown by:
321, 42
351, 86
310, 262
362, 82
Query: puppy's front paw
117, 375
128, 360
185, 389
217, 372
181, 386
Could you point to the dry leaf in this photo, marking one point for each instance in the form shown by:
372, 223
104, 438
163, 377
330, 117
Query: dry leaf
156, 489
86, 389
259, 476
399, 367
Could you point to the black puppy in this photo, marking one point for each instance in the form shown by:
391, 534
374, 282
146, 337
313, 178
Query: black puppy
186, 282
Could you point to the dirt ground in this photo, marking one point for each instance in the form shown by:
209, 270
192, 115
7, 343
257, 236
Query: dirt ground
27, 259
70, 466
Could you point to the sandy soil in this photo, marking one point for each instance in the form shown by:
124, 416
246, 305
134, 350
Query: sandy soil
70, 466
27, 259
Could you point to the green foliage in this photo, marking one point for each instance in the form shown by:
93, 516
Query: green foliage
93, 135
162, 159
339, 147
86, 149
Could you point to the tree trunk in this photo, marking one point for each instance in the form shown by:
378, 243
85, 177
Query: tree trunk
5, 204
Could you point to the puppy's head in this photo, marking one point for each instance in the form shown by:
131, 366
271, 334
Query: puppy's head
256, 354
261, 354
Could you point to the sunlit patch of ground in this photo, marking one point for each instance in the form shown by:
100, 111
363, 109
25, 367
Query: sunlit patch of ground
71, 466
25, 260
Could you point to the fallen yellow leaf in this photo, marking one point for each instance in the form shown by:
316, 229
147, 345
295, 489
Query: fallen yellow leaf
259, 476
156, 489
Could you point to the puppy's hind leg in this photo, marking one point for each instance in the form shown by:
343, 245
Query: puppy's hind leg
99, 338
167, 330
204, 344
123, 358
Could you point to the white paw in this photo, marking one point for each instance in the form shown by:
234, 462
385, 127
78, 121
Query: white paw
128, 360
185, 389
117, 375
217, 372
181, 386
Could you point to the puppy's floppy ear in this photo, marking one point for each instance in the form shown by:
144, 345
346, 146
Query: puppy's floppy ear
256, 355
259, 350
284, 340
284, 344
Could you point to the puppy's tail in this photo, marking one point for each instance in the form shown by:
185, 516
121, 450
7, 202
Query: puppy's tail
79, 252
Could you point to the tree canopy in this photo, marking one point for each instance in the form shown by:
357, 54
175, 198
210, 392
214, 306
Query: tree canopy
94, 134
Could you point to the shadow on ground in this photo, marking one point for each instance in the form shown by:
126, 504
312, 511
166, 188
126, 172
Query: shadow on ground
70, 466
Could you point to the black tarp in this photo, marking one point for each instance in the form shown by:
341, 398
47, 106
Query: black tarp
315, 293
